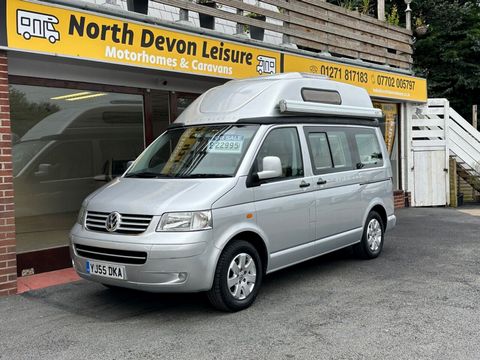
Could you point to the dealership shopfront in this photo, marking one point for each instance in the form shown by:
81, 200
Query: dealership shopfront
82, 93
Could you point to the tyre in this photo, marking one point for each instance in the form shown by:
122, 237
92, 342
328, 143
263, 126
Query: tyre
238, 277
373, 236
52, 40
27, 35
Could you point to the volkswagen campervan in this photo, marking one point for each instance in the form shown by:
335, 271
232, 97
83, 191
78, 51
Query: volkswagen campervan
254, 176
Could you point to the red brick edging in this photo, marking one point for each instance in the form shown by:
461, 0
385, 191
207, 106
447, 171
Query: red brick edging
8, 262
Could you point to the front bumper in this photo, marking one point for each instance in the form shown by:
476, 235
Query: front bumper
176, 262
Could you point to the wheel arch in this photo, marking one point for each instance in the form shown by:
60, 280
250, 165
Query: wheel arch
380, 210
257, 242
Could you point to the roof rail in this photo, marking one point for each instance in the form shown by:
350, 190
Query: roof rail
292, 106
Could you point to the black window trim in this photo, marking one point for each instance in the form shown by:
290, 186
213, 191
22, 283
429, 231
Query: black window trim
316, 171
310, 120
323, 129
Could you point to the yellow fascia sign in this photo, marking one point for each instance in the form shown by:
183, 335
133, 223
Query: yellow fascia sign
379, 84
49, 29
56, 30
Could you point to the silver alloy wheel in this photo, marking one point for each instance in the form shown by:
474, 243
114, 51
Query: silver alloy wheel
374, 235
241, 276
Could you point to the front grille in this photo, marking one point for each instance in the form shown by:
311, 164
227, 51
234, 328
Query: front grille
113, 255
129, 224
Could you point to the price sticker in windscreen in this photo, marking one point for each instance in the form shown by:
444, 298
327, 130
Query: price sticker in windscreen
230, 144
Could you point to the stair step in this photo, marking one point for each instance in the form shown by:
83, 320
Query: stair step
472, 180
467, 173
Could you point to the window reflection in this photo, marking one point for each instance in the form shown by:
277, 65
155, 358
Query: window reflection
66, 144
389, 130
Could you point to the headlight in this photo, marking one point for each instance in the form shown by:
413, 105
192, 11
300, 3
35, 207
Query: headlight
185, 221
81, 215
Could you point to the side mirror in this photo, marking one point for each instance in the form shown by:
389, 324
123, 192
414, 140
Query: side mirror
272, 168
43, 170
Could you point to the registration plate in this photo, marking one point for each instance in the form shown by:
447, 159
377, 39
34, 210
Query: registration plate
105, 270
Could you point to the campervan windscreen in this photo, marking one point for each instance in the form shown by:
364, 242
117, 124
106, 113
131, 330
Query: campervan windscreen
194, 152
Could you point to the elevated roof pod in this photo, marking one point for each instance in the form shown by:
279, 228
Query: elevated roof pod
280, 96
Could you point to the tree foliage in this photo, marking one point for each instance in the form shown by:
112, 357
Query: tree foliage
27, 113
449, 54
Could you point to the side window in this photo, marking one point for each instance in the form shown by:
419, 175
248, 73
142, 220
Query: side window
330, 149
342, 158
368, 149
319, 151
284, 143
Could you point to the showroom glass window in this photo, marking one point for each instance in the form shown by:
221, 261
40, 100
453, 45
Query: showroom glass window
66, 144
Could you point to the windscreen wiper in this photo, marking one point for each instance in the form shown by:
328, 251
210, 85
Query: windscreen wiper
205, 176
146, 174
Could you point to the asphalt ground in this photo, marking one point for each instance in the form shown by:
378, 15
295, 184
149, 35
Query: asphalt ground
418, 300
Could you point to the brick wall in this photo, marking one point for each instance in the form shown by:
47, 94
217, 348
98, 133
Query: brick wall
8, 263
399, 199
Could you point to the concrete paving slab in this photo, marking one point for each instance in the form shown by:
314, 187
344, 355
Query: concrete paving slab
473, 210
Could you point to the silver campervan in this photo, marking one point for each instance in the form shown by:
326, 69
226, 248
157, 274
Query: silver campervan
254, 176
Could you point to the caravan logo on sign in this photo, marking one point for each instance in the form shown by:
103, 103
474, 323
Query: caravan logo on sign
266, 65
32, 24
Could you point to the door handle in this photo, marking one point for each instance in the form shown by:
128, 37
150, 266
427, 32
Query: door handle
304, 184
321, 181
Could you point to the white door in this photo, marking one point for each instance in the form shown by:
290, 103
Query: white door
430, 178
